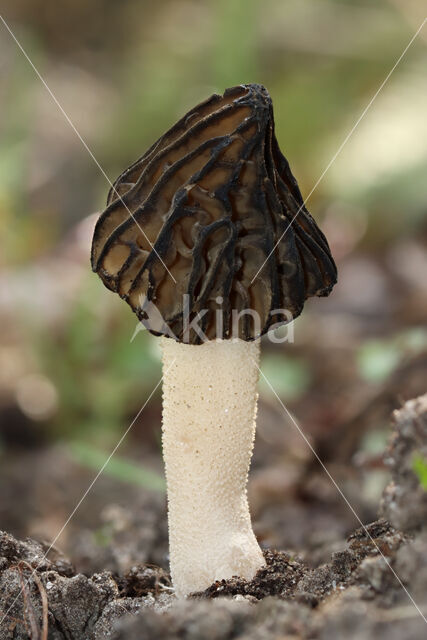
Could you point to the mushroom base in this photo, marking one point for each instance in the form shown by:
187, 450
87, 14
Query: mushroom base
209, 410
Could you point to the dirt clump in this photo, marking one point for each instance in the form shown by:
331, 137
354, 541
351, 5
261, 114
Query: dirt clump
404, 501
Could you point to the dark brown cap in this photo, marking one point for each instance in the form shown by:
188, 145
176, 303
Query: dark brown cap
210, 221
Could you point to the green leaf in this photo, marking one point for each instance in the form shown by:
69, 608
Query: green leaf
289, 377
419, 466
103, 536
118, 468
377, 360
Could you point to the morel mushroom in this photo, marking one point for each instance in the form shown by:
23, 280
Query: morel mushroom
207, 238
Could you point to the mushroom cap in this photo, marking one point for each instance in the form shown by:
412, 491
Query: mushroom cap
210, 223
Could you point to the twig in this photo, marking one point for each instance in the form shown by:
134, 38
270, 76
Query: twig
43, 598
34, 634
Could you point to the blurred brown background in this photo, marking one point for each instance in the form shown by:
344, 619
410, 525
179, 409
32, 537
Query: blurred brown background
71, 380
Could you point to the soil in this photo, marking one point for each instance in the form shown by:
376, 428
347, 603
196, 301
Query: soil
373, 584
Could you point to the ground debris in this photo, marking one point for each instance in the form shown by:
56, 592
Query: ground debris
365, 591
288, 577
142, 580
378, 537
140, 602
77, 606
278, 577
404, 501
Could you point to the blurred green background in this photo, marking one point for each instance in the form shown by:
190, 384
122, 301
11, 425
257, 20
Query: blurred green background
70, 376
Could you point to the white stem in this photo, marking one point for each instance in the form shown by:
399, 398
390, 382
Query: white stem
209, 410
